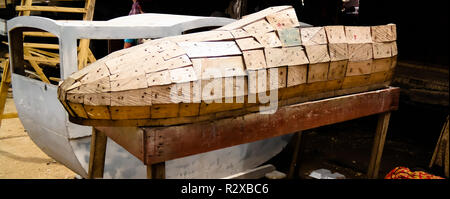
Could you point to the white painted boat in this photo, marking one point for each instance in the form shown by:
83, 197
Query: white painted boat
47, 122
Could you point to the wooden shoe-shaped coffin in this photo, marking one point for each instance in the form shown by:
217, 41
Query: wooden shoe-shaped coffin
224, 72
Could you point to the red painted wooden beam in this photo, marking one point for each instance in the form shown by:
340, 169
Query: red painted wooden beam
167, 143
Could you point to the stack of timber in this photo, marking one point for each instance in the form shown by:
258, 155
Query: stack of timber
184, 79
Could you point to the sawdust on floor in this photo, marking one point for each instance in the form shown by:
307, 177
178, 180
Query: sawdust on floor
20, 158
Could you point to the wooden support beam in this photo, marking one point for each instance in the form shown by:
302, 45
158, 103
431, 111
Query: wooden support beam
6, 81
97, 154
50, 9
36, 67
295, 156
377, 150
9, 116
156, 171
185, 140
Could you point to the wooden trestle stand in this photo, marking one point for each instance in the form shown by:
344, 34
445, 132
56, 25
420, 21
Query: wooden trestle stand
155, 145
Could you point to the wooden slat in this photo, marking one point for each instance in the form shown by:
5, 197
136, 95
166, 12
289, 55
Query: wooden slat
318, 72
38, 34
42, 46
317, 53
337, 70
297, 75
313, 36
254, 59
9, 116
377, 150
97, 154
254, 17
51, 9
210, 49
181, 141
290, 37
283, 19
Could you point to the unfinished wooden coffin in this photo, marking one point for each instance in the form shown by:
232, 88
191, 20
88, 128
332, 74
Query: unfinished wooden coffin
229, 71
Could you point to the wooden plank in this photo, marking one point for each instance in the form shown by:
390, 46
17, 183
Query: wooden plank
356, 81
210, 49
295, 155
97, 99
290, 37
377, 150
75, 97
225, 66
394, 49
178, 62
97, 112
318, 72
335, 34
248, 44
9, 116
25, 3
137, 97
94, 75
183, 75
317, 53
240, 33
257, 81
209, 108
383, 33
156, 171
42, 46
97, 154
181, 92
338, 51
164, 110
394, 31
185, 140
137, 82
268, 40
189, 110
212, 89
78, 109
130, 112
36, 67
360, 52
382, 50
254, 17
380, 65
50, 9
359, 68
158, 78
337, 70
285, 56
161, 94
358, 34
297, 75
213, 35
254, 60
313, 36
280, 74
259, 27
283, 19
131, 73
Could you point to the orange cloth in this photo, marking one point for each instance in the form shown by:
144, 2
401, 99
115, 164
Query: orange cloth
405, 173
